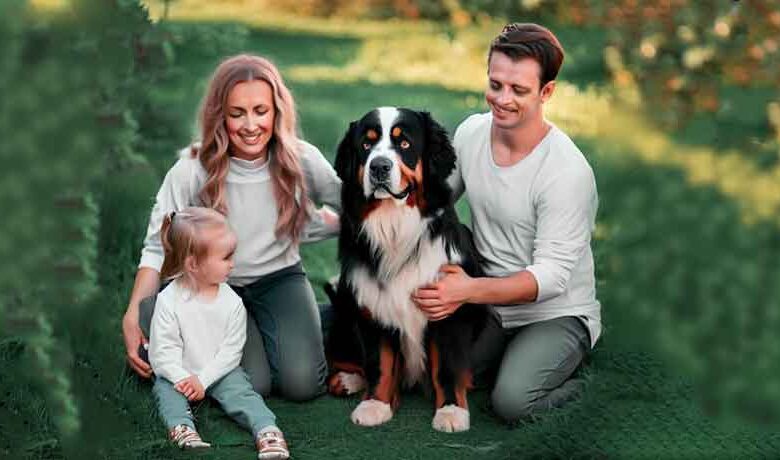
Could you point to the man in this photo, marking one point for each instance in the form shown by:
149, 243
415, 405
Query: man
533, 203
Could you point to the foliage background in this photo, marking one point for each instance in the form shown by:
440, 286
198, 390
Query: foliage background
674, 103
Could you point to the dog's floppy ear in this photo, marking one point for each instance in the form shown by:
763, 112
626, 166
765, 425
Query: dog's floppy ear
346, 166
438, 163
345, 155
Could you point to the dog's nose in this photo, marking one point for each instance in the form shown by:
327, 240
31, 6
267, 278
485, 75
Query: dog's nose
380, 168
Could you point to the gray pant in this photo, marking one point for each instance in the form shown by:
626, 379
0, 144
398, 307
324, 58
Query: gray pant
284, 349
284, 346
530, 366
234, 394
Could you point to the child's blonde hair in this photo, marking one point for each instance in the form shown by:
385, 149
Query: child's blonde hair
182, 236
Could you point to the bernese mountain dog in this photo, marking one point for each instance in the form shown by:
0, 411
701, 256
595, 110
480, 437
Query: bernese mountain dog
398, 226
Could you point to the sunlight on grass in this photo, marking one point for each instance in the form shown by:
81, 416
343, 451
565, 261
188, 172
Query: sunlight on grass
48, 5
422, 58
423, 53
459, 64
261, 13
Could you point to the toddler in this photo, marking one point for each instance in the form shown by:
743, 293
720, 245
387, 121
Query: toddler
198, 333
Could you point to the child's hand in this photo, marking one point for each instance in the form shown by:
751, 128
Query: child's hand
191, 388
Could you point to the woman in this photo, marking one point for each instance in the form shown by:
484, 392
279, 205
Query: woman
251, 166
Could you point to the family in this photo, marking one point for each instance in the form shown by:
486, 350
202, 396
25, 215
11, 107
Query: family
238, 318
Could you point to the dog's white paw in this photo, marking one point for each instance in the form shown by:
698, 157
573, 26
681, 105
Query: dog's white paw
371, 412
352, 383
451, 419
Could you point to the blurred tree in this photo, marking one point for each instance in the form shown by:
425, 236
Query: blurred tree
72, 83
706, 71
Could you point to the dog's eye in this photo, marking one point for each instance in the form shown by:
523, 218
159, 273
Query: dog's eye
366, 146
404, 144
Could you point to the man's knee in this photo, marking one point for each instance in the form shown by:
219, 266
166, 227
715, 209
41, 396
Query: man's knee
512, 404
515, 402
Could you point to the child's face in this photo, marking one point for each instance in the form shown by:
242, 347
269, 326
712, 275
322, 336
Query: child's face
216, 266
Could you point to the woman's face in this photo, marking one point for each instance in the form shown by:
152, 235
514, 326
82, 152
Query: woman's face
249, 117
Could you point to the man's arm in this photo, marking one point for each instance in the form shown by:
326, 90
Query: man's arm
518, 288
441, 299
565, 220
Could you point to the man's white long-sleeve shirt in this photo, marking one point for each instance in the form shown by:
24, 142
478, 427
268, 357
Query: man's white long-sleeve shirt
191, 335
535, 215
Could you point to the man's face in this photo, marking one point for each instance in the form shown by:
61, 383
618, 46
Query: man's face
513, 93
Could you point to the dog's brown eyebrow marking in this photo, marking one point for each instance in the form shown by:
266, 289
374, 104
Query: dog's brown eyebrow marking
396, 131
372, 135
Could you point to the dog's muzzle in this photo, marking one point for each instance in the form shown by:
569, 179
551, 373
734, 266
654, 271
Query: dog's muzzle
379, 170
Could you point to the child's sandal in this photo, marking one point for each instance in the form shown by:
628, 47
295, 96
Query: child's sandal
272, 446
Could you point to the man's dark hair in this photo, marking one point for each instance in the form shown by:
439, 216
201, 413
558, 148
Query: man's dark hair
528, 40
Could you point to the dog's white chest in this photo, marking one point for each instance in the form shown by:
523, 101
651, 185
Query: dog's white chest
388, 294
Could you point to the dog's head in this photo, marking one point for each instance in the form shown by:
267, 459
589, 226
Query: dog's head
396, 154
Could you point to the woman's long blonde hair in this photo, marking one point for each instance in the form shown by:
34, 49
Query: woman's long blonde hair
181, 235
286, 173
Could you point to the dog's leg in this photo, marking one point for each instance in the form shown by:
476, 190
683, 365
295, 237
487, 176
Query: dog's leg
383, 373
343, 347
451, 380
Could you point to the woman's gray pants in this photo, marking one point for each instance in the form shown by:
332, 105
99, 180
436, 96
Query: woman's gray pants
284, 347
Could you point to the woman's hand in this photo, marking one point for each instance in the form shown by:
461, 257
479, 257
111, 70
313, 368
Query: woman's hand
442, 298
191, 388
134, 339
330, 218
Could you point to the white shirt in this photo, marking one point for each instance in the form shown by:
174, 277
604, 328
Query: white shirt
252, 211
537, 215
191, 335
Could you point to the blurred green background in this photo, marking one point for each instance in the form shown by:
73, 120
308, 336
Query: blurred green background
675, 103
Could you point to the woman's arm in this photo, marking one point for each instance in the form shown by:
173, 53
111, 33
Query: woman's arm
176, 192
324, 188
147, 282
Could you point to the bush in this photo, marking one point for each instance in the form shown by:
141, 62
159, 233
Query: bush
73, 84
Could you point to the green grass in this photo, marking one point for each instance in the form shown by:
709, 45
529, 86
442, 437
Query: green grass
636, 406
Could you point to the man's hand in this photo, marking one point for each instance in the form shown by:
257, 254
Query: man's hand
442, 298
191, 388
134, 339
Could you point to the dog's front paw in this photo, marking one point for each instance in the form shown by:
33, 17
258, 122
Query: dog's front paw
451, 419
371, 412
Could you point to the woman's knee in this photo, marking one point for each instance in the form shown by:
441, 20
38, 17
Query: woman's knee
261, 383
255, 361
301, 381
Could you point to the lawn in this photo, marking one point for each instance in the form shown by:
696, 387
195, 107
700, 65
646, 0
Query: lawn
636, 405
